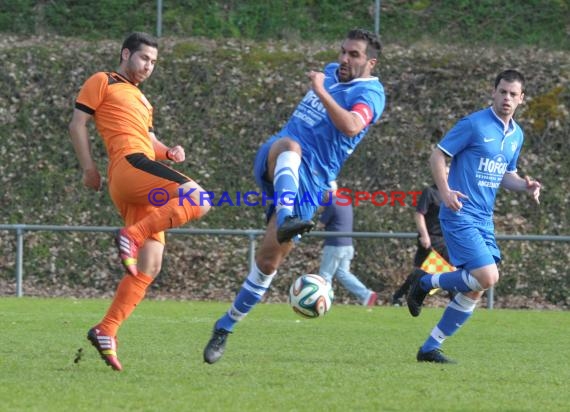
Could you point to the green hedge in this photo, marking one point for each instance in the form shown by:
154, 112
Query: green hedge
542, 23
220, 100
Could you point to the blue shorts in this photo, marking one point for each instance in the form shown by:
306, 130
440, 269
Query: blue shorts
470, 244
309, 196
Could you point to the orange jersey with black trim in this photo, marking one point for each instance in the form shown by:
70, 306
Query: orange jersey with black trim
122, 114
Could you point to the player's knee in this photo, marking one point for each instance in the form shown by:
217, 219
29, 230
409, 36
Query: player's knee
267, 264
150, 263
196, 206
285, 144
288, 144
488, 280
202, 210
194, 212
154, 269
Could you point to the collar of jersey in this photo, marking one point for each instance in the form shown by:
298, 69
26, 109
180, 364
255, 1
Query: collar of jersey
507, 128
121, 78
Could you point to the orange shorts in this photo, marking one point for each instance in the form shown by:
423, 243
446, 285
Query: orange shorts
133, 178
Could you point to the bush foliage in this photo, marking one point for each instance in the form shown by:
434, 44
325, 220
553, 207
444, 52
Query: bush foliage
542, 23
220, 99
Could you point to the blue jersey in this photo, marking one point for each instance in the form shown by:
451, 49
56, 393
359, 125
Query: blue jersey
483, 149
325, 148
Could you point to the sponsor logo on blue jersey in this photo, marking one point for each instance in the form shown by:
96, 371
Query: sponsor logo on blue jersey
497, 166
490, 171
313, 101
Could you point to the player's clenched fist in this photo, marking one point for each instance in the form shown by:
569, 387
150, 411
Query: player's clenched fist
176, 154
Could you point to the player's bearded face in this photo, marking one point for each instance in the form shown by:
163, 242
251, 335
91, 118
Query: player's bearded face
140, 65
353, 61
349, 72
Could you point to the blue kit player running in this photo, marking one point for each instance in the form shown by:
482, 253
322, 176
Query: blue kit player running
484, 148
296, 165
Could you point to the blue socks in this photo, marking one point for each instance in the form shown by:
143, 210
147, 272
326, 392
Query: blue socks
286, 184
251, 292
458, 311
457, 281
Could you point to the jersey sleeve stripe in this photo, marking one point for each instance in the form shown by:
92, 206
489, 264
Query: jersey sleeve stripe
444, 151
84, 108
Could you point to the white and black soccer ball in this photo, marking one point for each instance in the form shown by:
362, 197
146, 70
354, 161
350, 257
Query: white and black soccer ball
311, 296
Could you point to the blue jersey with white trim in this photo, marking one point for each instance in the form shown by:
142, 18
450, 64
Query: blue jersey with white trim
483, 149
325, 148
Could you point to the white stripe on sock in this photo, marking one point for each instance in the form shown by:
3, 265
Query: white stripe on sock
471, 281
462, 303
435, 281
257, 278
438, 335
235, 314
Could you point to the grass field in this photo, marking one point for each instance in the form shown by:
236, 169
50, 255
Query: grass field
354, 359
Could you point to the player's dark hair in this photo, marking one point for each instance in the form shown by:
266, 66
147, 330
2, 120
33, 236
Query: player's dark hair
373, 45
510, 76
135, 40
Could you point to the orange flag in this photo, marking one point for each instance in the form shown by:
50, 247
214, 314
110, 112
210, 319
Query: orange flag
436, 264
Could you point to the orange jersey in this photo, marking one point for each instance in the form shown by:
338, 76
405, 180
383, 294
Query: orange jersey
122, 114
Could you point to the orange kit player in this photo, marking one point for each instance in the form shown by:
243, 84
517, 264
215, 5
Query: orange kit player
137, 177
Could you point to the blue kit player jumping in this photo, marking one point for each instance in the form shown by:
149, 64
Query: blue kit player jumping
484, 148
296, 165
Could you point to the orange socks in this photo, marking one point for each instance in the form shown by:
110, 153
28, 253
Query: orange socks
129, 294
171, 215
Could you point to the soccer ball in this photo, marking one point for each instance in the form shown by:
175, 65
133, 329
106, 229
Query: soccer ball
311, 296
